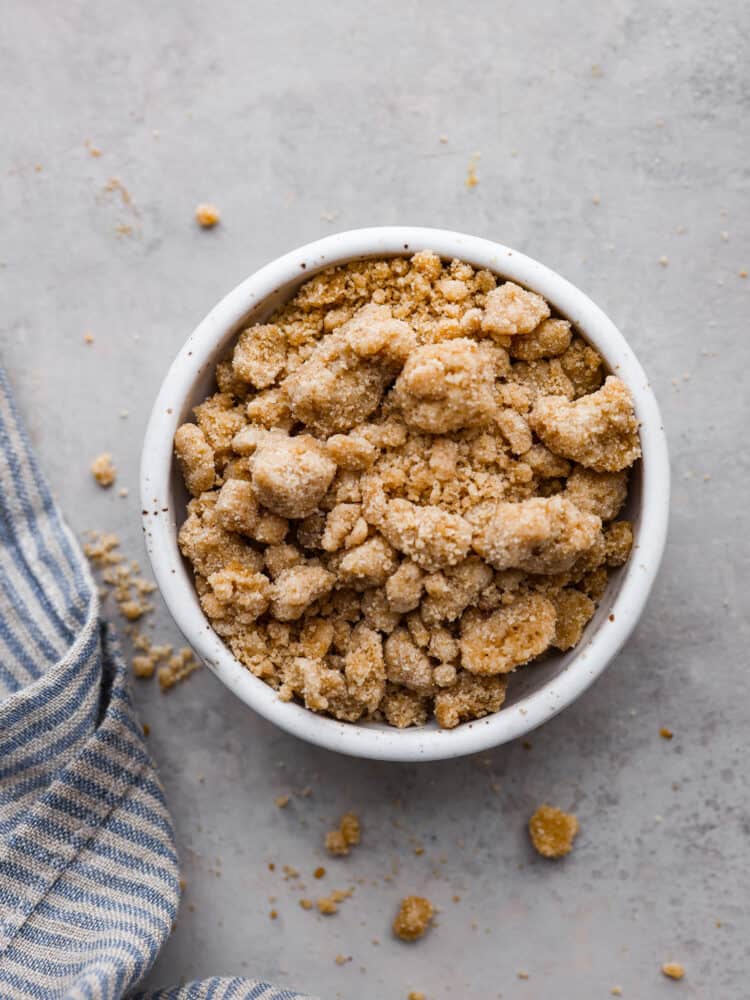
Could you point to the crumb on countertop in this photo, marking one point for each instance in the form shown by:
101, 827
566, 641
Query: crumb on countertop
88, 337
414, 916
552, 831
673, 970
207, 215
328, 905
178, 668
282, 801
103, 470
340, 842
665, 733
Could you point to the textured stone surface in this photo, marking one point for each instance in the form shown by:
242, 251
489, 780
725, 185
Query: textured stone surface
299, 119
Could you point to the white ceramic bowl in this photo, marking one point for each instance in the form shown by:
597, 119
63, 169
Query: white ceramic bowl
536, 692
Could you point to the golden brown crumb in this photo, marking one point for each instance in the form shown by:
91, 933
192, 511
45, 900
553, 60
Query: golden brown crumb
666, 734
342, 959
146, 729
471, 172
673, 970
273, 914
522, 975
282, 801
414, 916
88, 338
319, 872
103, 470
340, 841
410, 465
178, 668
328, 905
552, 831
416, 995
616, 991
207, 215
306, 904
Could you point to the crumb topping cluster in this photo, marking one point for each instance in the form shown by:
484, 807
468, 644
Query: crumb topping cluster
405, 487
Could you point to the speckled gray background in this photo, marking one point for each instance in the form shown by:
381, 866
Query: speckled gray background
299, 119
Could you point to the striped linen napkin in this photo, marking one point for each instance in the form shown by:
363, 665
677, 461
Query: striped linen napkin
89, 875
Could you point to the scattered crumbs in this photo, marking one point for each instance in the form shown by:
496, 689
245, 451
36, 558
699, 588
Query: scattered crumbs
306, 904
124, 414
664, 261
376, 941
289, 872
340, 842
115, 185
207, 215
342, 959
38, 168
416, 995
122, 492
718, 923
178, 668
666, 734
743, 273
271, 866
319, 872
443, 139
282, 801
523, 975
673, 970
552, 831
456, 899
724, 235
419, 851
414, 916
596, 200
273, 914
616, 991
183, 885
329, 904
88, 337
471, 172
103, 470
596, 71
146, 729
93, 150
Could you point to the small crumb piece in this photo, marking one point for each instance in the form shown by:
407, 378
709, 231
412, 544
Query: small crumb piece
471, 174
179, 668
523, 975
88, 338
416, 995
207, 215
123, 492
282, 801
342, 959
666, 734
743, 273
673, 970
616, 991
552, 831
103, 470
413, 918
319, 872
340, 842
273, 914
328, 905
306, 904
146, 729
664, 261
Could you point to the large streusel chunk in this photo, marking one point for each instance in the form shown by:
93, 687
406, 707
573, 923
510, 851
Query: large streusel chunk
342, 381
413, 918
600, 493
574, 611
402, 707
296, 588
196, 458
552, 831
599, 431
406, 664
260, 355
429, 535
241, 591
510, 310
537, 535
237, 507
471, 697
507, 638
364, 667
446, 386
291, 474
548, 340
451, 591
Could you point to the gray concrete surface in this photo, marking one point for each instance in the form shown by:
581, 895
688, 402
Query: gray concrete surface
298, 119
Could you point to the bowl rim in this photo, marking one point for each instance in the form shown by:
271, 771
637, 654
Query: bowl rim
176, 584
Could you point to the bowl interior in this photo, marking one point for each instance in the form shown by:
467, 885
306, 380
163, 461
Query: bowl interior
525, 682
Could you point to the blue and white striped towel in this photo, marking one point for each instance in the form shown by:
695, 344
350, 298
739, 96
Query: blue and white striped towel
89, 877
